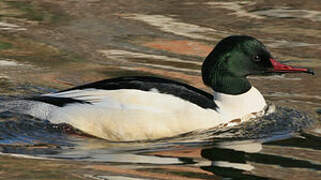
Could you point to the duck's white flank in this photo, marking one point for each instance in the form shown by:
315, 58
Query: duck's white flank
129, 114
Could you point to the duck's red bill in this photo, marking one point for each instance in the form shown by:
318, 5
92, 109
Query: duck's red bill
282, 68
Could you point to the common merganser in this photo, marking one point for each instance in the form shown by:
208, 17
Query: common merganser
144, 108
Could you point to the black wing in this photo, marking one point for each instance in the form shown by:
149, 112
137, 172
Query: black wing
57, 101
146, 83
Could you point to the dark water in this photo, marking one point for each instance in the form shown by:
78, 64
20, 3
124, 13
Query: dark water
47, 46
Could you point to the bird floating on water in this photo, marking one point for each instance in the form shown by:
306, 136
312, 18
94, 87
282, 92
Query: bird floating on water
144, 108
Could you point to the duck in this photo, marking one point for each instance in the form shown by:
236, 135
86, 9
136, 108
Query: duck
139, 108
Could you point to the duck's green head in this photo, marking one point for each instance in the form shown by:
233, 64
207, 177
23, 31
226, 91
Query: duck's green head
235, 57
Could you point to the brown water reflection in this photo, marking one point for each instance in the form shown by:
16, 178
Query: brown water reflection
51, 45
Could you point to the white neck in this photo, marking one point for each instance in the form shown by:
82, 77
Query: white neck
236, 106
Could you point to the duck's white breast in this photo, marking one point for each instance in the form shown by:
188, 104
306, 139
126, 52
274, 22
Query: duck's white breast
238, 106
130, 114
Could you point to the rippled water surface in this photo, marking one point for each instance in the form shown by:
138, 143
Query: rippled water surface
46, 46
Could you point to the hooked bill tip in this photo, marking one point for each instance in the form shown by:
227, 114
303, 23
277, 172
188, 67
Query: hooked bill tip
310, 71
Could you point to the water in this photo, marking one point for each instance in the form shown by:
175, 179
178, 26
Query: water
53, 45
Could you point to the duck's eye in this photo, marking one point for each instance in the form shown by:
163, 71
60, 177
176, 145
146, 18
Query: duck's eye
257, 58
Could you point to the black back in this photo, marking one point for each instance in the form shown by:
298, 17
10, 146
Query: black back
145, 83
